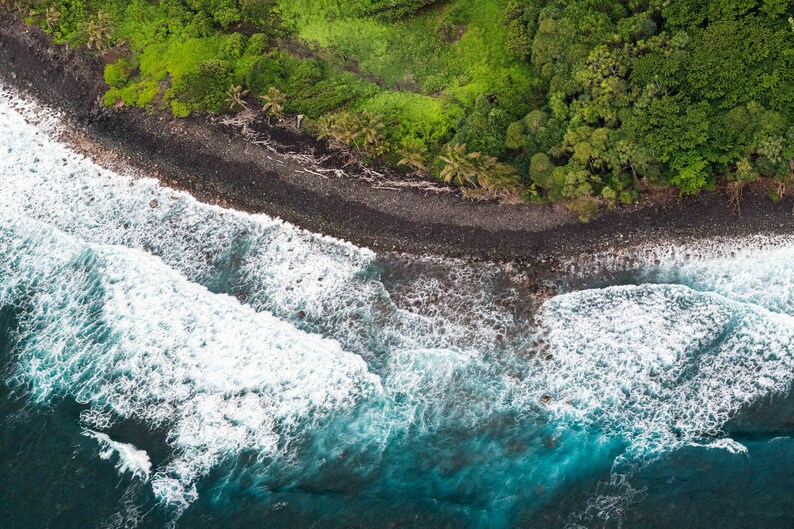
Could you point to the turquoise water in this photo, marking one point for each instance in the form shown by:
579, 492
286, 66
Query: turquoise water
172, 364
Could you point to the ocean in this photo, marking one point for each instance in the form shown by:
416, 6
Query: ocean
167, 363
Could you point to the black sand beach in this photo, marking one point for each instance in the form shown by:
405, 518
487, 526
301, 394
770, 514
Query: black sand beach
217, 164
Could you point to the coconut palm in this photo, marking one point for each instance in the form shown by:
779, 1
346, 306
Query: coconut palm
235, 97
51, 17
495, 176
99, 31
274, 101
413, 154
371, 126
325, 127
347, 128
460, 167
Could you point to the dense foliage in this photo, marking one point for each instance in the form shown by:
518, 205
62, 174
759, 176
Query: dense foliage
584, 101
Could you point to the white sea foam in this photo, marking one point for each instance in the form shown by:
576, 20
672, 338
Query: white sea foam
120, 331
659, 365
422, 336
674, 253
278, 267
663, 365
731, 445
46, 180
754, 269
130, 458
762, 275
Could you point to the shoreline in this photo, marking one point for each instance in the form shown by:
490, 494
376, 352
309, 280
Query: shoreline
219, 165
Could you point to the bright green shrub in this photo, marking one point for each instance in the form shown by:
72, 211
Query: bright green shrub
394, 9
257, 44
236, 45
413, 115
204, 89
125, 95
691, 173
307, 71
224, 12
609, 195
147, 91
179, 109
117, 73
514, 137
266, 72
317, 99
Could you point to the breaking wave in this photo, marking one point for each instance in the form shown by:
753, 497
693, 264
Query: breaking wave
345, 388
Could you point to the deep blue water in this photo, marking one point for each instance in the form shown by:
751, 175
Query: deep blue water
188, 366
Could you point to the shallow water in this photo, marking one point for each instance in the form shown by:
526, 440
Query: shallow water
167, 363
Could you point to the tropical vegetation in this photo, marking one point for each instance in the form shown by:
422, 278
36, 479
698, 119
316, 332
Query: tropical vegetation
583, 101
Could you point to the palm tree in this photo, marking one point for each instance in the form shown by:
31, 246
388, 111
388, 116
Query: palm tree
347, 128
371, 126
274, 102
99, 31
413, 154
460, 167
325, 127
51, 17
235, 95
495, 176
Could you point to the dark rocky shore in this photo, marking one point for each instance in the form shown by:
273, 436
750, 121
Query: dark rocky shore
217, 164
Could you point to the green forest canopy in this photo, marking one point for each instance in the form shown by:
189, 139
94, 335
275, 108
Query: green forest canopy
583, 101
